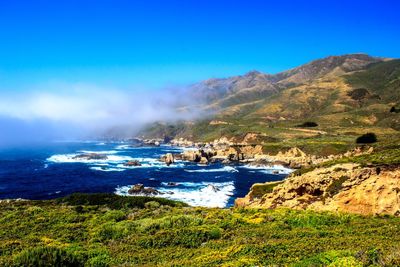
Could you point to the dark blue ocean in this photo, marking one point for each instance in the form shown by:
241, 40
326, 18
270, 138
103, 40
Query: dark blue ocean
50, 171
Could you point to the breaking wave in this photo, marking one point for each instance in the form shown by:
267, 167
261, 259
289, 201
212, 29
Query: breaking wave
205, 194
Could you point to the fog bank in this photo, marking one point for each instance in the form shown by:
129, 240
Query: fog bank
81, 111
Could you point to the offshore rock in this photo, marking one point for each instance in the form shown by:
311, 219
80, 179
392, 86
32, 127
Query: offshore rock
139, 189
91, 156
132, 163
168, 159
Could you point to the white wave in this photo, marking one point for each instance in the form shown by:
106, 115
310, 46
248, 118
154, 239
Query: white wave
54, 193
124, 147
70, 158
151, 165
104, 169
223, 169
101, 144
274, 169
198, 194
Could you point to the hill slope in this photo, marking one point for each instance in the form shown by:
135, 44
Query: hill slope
346, 95
108, 230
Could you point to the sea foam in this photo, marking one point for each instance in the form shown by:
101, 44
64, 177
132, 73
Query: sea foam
70, 158
223, 169
274, 169
204, 194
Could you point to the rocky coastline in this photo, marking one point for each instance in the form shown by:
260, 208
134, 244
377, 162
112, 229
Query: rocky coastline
346, 187
227, 152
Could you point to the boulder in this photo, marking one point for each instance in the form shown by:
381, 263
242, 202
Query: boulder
191, 155
139, 189
212, 188
132, 163
203, 160
91, 156
169, 159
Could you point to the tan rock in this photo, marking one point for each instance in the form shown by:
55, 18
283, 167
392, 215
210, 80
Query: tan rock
203, 161
169, 159
345, 188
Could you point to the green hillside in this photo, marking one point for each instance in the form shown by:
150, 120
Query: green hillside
107, 230
345, 96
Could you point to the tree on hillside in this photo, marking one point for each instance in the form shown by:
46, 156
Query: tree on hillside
367, 138
308, 124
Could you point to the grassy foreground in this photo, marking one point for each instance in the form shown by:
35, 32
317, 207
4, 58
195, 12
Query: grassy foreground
107, 230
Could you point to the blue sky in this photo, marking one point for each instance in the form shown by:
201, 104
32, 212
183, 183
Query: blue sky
152, 44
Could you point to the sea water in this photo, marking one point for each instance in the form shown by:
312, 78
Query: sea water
51, 171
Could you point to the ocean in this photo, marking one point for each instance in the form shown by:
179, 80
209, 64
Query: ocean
51, 171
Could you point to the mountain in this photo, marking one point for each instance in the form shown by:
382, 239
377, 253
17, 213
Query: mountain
253, 86
342, 95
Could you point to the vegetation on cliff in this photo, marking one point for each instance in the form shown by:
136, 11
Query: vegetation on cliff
105, 230
344, 97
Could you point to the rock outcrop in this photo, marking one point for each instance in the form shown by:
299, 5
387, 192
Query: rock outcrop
91, 156
168, 159
345, 188
139, 189
203, 161
132, 163
296, 158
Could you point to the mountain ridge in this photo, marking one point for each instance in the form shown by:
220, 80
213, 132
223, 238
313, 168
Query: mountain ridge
349, 94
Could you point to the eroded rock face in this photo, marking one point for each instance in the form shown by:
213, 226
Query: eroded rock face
296, 158
237, 152
344, 188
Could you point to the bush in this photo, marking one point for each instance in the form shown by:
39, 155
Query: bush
152, 205
331, 258
47, 256
359, 94
367, 138
114, 201
102, 260
308, 124
187, 238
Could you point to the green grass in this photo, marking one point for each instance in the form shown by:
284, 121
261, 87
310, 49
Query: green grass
103, 234
259, 190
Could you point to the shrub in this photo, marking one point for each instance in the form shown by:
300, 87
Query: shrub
331, 258
367, 138
336, 185
152, 205
315, 220
113, 230
47, 256
259, 190
188, 238
102, 260
308, 124
114, 201
359, 94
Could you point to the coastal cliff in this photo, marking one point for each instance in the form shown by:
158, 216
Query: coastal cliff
345, 187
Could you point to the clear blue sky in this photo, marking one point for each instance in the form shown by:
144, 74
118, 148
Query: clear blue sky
157, 43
